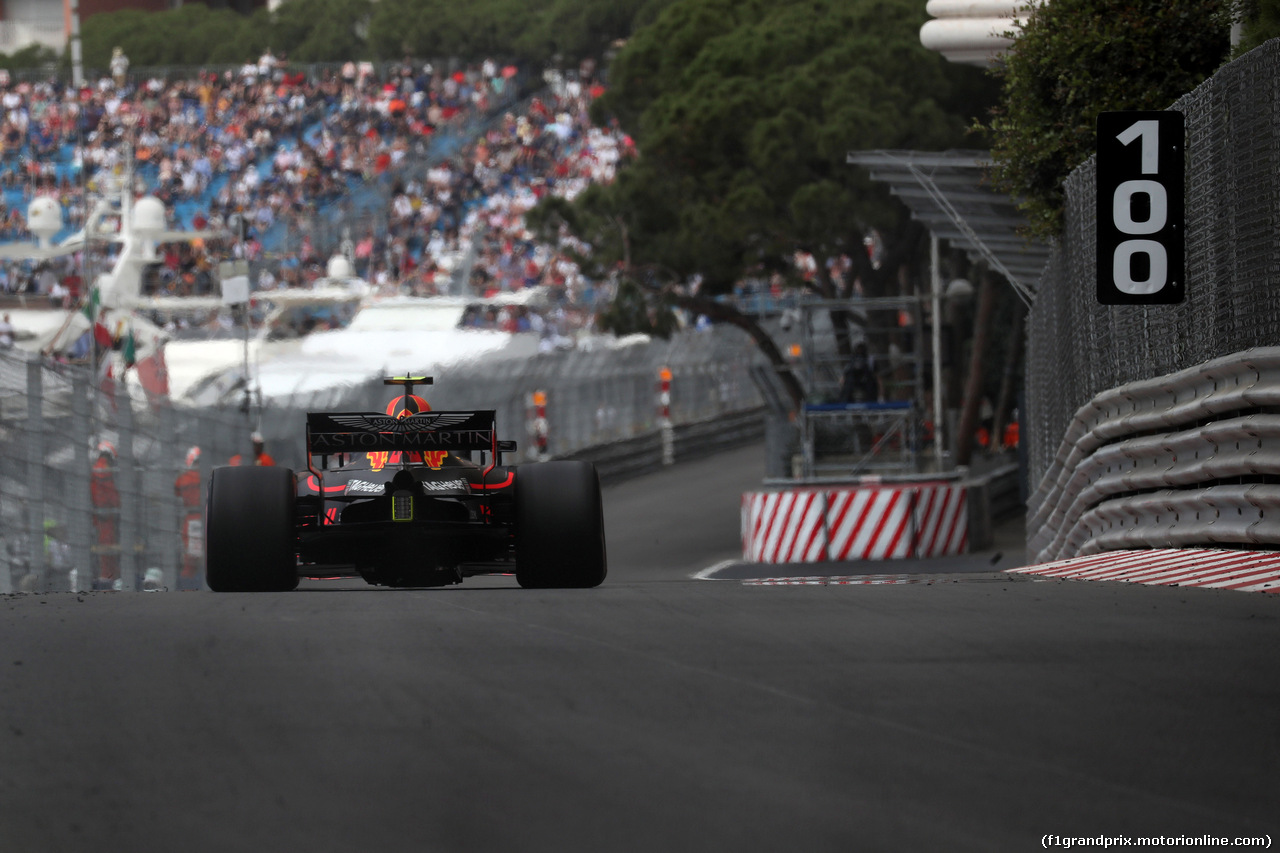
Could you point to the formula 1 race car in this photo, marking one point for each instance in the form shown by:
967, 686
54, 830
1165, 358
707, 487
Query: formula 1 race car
401, 500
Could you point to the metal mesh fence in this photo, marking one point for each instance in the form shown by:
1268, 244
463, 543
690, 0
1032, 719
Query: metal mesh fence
73, 519
70, 515
593, 395
1078, 348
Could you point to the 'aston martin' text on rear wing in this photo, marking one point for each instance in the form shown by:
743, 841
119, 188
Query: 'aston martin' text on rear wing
359, 432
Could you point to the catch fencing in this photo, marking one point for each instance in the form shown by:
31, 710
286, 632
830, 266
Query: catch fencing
595, 394
63, 527
57, 532
1078, 349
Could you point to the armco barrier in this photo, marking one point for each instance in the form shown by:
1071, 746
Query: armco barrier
815, 524
646, 453
1246, 515
1159, 463
992, 497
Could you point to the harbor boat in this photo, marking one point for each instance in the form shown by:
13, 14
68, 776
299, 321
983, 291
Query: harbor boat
139, 226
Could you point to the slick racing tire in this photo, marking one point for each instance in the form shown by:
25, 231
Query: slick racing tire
559, 526
250, 531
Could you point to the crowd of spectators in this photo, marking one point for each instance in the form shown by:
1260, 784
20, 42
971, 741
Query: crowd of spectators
471, 209
262, 152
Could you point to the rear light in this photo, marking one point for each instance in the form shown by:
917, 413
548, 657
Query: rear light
402, 506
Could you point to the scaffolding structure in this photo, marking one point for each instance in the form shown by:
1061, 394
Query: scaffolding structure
842, 437
855, 439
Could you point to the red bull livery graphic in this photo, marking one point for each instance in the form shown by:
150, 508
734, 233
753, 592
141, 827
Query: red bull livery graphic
433, 459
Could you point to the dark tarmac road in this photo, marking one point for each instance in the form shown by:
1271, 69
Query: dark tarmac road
657, 713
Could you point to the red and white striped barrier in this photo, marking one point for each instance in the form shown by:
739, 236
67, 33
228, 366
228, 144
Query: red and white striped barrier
1215, 568
881, 522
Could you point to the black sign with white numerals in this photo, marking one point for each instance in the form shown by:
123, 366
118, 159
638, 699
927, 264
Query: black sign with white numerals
1140, 219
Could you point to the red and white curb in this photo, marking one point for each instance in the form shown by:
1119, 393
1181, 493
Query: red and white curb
835, 580
883, 522
876, 580
1212, 568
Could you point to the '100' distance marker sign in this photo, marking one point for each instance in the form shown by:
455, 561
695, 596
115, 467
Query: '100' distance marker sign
1141, 232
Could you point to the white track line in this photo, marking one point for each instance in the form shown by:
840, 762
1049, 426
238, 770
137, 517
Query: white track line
707, 573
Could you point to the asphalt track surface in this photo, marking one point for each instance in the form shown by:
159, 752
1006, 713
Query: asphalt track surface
980, 711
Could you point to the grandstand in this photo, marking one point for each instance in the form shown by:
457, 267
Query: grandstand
420, 174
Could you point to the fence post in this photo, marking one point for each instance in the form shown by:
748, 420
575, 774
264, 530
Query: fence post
127, 483
664, 417
6, 563
540, 425
35, 473
168, 523
211, 456
81, 531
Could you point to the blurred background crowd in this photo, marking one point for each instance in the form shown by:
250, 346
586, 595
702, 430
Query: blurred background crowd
421, 175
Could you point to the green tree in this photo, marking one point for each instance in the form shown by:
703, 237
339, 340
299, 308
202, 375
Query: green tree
537, 31
1077, 58
189, 35
31, 56
755, 106
194, 34
321, 30
743, 113
573, 29
438, 28
338, 30
1261, 20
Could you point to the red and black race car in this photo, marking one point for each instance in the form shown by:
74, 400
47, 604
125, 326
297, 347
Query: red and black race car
409, 498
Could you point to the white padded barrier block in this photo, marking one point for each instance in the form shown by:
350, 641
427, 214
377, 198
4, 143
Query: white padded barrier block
848, 523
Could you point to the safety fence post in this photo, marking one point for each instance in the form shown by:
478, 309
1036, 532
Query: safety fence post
82, 528
129, 483
35, 474
664, 417
166, 525
540, 424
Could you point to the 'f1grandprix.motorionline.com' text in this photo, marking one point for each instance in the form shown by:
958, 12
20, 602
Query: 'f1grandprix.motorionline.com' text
1047, 841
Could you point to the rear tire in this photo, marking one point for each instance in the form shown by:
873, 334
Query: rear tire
559, 526
249, 529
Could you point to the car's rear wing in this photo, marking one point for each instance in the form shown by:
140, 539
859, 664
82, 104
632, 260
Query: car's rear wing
330, 433
360, 432
415, 428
